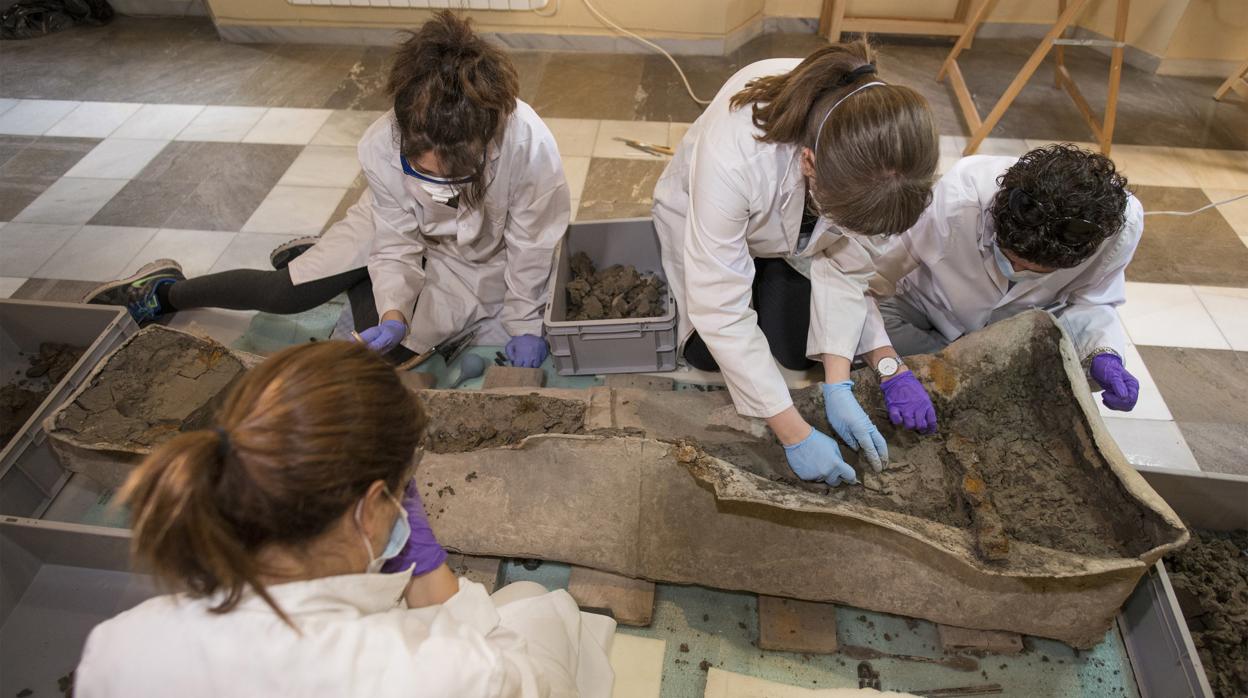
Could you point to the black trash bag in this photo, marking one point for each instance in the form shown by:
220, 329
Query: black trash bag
28, 19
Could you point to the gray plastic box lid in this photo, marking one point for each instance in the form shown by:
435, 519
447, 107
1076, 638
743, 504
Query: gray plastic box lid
30, 474
631, 345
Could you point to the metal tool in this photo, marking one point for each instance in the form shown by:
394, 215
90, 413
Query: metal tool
987, 689
472, 366
648, 148
449, 349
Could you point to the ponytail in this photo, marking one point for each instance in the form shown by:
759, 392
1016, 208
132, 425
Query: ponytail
782, 103
178, 527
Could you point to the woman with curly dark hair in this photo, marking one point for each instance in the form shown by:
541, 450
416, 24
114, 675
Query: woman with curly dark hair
1054, 229
466, 202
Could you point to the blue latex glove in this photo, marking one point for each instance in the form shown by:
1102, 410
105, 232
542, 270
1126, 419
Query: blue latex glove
385, 336
526, 351
817, 458
1121, 389
421, 553
908, 403
853, 425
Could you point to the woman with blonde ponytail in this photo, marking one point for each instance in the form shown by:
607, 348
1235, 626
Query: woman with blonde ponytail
302, 563
763, 215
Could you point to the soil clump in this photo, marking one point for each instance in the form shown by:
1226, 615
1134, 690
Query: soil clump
1210, 578
162, 383
20, 398
617, 292
468, 421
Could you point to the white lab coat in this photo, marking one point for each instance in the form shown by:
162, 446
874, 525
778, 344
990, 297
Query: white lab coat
447, 268
725, 199
944, 266
356, 638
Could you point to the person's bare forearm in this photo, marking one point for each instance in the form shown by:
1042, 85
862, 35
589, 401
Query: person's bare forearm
874, 356
788, 426
431, 588
835, 368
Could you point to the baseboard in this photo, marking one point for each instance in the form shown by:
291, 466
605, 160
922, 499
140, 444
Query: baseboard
160, 8
1197, 67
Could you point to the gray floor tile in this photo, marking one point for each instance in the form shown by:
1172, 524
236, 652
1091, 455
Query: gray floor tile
1202, 249
1219, 447
618, 188
364, 85
220, 204
59, 290
47, 157
144, 203
12, 145
530, 65
184, 161
16, 193
297, 75
662, 96
590, 86
1200, 385
71, 200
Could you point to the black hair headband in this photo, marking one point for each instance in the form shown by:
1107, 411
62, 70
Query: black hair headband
862, 70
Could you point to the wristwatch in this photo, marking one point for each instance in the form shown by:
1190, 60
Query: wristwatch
888, 367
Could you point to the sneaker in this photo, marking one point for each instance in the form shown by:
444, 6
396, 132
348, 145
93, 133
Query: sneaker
138, 291
287, 252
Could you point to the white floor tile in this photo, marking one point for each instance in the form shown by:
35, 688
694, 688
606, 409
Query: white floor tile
9, 284
294, 210
94, 119
1235, 213
727, 684
196, 250
576, 137
576, 204
158, 121
1013, 147
221, 124
1217, 169
33, 117
1229, 309
71, 200
1168, 315
288, 126
652, 132
117, 158
323, 166
345, 127
575, 169
249, 251
676, 133
1152, 443
950, 152
7, 103
638, 666
24, 247
1150, 405
96, 253
1154, 166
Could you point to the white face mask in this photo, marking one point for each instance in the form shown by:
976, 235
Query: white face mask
1007, 267
399, 533
440, 192
440, 189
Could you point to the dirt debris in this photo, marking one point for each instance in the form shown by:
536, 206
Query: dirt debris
22, 396
119, 405
461, 422
614, 293
1210, 578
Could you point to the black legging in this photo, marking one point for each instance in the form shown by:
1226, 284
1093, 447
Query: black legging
782, 302
273, 292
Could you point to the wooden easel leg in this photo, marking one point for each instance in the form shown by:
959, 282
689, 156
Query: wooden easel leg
1231, 81
1059, 52
1029, 68
964, 41
1115, 77
831, 19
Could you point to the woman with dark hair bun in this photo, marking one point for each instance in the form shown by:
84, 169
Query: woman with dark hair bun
1054, 229
293, 535
465, 204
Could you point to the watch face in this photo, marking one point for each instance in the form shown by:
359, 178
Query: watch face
887, 366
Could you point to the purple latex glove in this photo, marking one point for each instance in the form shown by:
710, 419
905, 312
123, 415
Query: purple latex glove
422, 549
527, 351
385, 336
909, 404
1121, 389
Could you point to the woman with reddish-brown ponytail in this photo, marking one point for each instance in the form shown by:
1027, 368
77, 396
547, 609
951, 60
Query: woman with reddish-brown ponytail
304, 565
763, 215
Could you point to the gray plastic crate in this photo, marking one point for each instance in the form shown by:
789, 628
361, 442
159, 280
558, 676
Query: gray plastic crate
1153, 630
632, 345
57, 582
30, 474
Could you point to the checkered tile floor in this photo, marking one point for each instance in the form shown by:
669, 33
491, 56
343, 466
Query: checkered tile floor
90, 191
